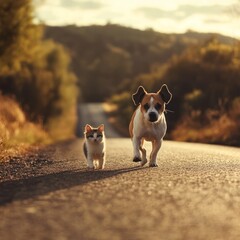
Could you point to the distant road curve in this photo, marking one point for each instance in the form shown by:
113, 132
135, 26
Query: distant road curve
93, 114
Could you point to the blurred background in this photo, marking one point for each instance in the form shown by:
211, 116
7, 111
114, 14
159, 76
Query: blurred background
58, 54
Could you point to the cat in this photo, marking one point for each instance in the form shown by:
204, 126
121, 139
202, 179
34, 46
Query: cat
94, 147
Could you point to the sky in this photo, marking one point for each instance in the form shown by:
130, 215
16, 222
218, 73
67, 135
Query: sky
168, 16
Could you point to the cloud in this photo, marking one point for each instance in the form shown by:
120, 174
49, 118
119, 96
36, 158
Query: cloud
182, 11
204, 10
215, 20
233, 10
156, 13
86, 5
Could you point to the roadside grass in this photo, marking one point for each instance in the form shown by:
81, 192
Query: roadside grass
225, 131
17, 134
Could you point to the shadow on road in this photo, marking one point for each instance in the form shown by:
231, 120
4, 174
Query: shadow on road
15, 190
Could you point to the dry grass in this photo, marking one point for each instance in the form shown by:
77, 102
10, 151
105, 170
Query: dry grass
16, 133
224, 130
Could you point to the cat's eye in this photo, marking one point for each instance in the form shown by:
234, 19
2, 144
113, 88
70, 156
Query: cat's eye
146, 106
90, 136
158, 106
99, 135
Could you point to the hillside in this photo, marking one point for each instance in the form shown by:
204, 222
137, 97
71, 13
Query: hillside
113, 55
112, 61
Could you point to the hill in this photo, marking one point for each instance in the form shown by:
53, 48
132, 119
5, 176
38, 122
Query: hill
108, 57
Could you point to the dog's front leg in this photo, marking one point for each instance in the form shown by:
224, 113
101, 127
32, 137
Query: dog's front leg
136, 149
156, 145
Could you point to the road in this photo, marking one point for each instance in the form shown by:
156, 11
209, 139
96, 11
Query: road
93, 114
193, 194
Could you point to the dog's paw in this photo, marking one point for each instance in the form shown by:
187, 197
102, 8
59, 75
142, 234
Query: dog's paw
143, 163
153, 165
137, 159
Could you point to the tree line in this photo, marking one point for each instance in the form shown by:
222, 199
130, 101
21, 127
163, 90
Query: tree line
108, 57
205, 83
44, 68
35, 72
202, 71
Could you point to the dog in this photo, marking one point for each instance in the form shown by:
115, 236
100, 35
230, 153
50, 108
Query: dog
148, 123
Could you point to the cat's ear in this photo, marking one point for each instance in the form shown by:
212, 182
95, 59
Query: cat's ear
101, 128
88, 128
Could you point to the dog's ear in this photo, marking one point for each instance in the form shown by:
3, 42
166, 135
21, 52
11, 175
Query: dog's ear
138, 95
165, 94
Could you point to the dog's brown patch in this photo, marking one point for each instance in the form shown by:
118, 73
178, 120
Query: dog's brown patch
147, 98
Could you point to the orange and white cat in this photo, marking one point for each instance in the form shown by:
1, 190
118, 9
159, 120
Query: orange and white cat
94, 147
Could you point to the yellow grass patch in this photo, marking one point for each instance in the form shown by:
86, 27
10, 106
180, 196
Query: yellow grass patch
16, 132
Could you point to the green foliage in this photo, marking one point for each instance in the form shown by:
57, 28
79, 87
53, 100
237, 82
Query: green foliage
18, 35
217, 80
107, 58
34, 71
111, 67
202, 71
122, 101
204, 81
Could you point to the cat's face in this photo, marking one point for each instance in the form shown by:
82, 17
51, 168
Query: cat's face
94, 135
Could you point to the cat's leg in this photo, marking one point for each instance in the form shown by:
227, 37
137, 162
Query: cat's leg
90, 162
102, 161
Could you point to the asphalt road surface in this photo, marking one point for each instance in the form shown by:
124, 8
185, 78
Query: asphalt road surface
193, 194
93, 114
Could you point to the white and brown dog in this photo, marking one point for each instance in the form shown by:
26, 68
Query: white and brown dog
148, 123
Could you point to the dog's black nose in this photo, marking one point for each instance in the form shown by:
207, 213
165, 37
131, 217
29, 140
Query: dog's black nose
152, 117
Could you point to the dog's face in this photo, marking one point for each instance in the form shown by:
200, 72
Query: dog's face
152, 107
152, 104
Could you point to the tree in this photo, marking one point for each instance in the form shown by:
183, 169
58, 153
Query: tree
34, 71
18, 35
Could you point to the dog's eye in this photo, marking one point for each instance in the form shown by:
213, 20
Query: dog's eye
146, 106
158, 106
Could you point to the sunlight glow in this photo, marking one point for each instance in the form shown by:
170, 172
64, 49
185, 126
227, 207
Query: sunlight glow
164, 16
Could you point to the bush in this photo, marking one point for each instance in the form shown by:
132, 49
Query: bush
36, 72
205, 84
122, 112
15, 129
